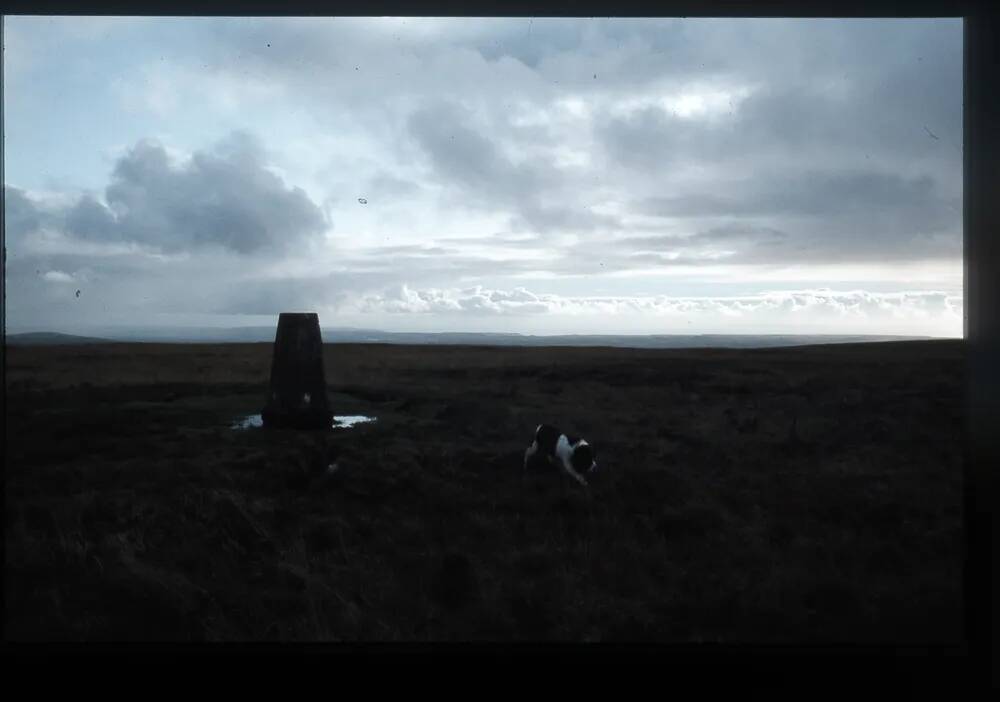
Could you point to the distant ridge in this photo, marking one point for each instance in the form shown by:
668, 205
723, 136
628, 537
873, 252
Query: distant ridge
371, 336
648, 341
52, 339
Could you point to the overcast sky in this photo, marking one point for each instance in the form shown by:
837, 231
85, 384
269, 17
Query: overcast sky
537, 176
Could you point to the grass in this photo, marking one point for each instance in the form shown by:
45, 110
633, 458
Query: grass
134, 511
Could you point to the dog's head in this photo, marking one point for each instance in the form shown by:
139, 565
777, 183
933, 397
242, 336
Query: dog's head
583, 458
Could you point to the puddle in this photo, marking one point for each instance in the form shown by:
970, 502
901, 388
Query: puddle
254, 420
341, 421
346, 421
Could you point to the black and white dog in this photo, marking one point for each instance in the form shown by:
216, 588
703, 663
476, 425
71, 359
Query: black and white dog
571, 453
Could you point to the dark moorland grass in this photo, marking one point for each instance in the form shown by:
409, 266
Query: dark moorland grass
782, 495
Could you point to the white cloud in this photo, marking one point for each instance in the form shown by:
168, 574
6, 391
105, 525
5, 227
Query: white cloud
58, 277
837, 311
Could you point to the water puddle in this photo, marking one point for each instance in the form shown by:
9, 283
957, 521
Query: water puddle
343, 421
250, 422
346, 421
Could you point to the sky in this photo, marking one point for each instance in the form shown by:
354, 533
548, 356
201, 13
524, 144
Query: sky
540, 176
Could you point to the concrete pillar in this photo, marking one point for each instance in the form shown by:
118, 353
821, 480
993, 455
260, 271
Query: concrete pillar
297, 395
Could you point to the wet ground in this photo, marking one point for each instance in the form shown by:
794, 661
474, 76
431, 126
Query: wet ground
256, 421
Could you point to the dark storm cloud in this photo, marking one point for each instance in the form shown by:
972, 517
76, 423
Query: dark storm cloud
224, 197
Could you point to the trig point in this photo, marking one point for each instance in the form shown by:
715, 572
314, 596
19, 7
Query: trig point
297, 396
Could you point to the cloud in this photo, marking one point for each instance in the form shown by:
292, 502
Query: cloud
89, 219
810, 305
612, 155
257, 296
740, 231
466, 159
224, 197
22, 215
738, 235
825, 215
475, 300
58, 277
811, 193
536, 218
385, 185
535, 194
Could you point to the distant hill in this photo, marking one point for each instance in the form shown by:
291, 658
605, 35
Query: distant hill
52, 339
644, 341
334, 335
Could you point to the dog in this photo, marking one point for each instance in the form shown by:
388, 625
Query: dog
571, 453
